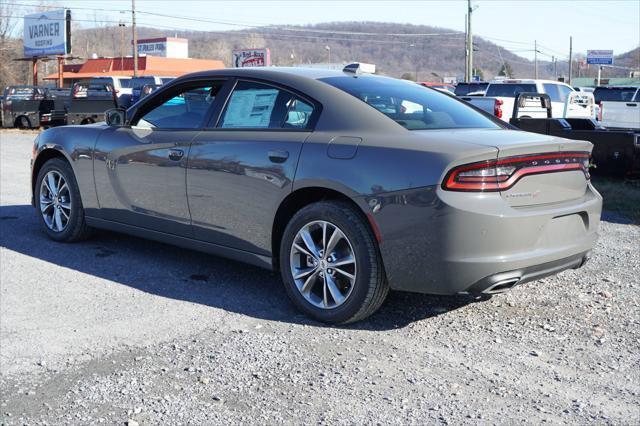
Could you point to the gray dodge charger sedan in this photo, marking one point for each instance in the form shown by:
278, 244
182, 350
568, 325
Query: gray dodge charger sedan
348, 184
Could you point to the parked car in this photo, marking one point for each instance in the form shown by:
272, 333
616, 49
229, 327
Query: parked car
121, 86
466, 89
23, 105
308, 172
137, 83
619, 107
89, 102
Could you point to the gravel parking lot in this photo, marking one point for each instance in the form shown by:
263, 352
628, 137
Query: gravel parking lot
118, 329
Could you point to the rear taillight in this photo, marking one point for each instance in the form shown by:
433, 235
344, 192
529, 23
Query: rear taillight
497, 108
600, 111
500, 175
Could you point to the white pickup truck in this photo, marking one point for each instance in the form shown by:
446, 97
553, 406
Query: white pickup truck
619, 107
500, 96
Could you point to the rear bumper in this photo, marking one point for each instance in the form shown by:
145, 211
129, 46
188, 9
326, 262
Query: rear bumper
442, 242
504, 281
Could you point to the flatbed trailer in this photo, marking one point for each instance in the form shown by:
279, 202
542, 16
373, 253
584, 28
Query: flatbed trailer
616, 152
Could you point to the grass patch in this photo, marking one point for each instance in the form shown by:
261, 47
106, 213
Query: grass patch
621, 196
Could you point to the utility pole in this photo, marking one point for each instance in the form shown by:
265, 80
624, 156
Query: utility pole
469, 42
535, 55
555, 67
570, 59
121, 25
135, 38
466, 47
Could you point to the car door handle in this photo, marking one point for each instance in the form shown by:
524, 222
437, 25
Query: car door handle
632, 105
278, 156
176, 154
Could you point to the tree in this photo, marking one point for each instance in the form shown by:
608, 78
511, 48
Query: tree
506, 70
408, 76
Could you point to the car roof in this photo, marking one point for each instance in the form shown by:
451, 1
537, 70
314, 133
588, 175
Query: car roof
525, 81
313, 73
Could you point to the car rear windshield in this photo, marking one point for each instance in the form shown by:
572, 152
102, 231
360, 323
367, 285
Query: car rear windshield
138, 82
463, 89
411, 105
616, 94
509, 90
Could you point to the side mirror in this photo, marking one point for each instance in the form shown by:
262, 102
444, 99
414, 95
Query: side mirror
115, 117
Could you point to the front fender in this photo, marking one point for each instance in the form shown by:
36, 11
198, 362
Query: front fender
76, 144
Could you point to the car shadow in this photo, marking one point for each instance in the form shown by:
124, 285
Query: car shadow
191, 276
614, 217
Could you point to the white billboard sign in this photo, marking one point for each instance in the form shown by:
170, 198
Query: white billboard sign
168, 47
47, 33
251, 58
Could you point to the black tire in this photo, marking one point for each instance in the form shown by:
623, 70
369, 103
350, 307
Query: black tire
370, 288
23, 122
76, 228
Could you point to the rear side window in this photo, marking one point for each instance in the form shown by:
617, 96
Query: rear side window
411, 105
510, 90
260, 106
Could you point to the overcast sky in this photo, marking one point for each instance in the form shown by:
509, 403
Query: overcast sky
514, 24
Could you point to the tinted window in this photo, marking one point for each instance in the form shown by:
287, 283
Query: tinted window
260, 106
510, 90
616, 94
138, 82
411, 105
637, 98
186, 110
298, 114
165, 80
463, 89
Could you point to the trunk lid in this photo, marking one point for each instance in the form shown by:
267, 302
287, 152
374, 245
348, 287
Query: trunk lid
545, 187
556, 175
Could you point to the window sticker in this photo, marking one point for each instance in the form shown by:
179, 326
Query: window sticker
250, 108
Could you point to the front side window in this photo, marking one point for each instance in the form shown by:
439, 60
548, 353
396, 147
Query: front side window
411, 105
564, 92
259, 106
553, 92
186, 109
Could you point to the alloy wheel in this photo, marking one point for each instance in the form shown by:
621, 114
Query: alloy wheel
55, 201
323, 264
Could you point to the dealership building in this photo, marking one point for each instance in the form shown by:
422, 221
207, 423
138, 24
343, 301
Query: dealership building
164, 57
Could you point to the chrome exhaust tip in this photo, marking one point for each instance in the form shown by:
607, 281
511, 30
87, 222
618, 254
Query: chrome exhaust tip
502, 286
